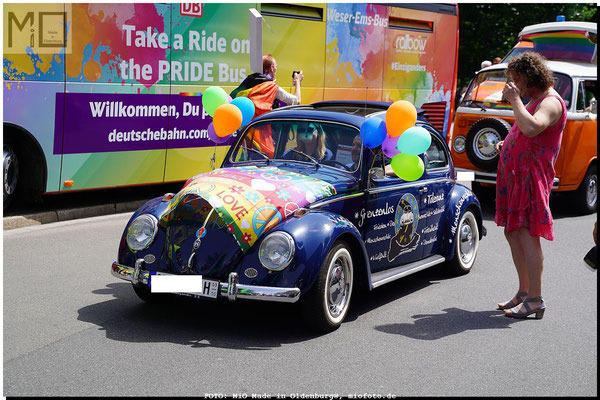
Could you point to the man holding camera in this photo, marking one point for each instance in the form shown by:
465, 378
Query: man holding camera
266, 95
270, 69
264, 92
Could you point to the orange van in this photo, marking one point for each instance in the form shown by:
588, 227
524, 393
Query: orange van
483, 117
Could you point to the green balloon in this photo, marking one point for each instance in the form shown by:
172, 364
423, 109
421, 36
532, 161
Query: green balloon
212, 98
408, 167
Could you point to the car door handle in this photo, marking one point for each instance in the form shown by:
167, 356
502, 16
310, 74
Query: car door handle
423, 190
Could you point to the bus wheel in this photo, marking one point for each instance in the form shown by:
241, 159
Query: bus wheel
586, 196
11, 173
482, 139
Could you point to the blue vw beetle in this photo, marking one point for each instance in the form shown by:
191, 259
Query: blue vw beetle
301, 211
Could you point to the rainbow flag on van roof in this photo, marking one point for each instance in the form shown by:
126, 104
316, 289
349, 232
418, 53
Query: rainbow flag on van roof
563, 45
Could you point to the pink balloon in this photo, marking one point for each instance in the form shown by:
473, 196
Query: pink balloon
212, 135
389, 146
229, 97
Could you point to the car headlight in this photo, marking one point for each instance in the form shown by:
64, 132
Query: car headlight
141, 232
459, 144
276, 251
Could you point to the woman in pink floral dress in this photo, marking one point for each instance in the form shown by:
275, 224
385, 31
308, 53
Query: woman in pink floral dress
525, 176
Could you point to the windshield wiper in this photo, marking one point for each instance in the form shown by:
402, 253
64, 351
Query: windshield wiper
258, 152
307, 156
477, 104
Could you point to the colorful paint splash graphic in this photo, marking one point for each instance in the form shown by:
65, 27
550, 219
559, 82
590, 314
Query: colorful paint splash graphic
252, 201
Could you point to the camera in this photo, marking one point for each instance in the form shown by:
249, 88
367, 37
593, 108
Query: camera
294, 73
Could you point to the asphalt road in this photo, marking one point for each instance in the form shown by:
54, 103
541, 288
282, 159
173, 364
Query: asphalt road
71, 329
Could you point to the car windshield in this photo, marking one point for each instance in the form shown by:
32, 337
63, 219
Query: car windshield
316, 142
485, 91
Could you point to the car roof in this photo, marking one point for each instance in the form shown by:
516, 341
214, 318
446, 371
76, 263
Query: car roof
571, 68
348, 111
559, 26
344, 111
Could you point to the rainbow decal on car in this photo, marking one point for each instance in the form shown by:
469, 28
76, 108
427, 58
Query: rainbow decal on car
252, 201
569, 45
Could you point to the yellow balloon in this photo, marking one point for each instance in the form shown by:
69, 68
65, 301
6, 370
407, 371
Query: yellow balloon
227, 119
399, 117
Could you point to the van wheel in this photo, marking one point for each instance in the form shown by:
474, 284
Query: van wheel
327, 302
11, 173
466, 243
586, 196
482, 139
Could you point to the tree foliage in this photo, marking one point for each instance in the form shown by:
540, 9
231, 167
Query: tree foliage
489, 30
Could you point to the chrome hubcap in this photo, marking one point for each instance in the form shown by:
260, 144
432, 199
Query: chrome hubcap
338, 284
11, 171
467, 242
485, 142
592, 191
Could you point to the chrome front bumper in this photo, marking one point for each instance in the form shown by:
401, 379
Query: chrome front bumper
231, 289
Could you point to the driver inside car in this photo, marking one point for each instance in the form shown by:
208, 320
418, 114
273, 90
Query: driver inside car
310, 144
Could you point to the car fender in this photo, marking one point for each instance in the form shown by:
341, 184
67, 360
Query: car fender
314, 234
461, 198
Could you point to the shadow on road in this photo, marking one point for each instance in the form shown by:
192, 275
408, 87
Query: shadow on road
243, 325
195, 322
450, 322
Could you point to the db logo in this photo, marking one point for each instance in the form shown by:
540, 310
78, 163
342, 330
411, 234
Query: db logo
191, 9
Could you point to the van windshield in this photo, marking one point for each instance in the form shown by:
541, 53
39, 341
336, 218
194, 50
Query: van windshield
485, 90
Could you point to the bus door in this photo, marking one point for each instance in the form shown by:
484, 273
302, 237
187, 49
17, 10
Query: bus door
115, 106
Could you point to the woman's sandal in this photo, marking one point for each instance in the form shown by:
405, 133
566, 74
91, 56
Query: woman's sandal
515, 301
527, 310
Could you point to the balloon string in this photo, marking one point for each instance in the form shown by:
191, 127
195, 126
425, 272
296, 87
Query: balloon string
213, 158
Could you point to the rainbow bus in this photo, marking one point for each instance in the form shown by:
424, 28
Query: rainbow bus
109, 95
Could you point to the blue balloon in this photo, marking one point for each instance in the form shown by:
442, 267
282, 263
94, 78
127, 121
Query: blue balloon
372, 132
246, 106
414, 141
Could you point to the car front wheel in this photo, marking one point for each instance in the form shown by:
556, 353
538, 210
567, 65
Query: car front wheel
327, 303
466, 244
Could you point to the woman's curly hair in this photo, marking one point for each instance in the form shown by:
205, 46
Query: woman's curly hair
533, 67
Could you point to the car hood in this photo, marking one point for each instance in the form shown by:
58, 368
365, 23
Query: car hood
246, 202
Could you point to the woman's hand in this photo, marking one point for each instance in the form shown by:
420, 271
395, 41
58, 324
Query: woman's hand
499, 145
511, 92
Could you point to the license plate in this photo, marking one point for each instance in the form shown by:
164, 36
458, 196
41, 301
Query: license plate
193, 285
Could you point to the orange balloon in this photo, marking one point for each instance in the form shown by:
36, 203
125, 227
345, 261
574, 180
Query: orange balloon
399, 117
227, 119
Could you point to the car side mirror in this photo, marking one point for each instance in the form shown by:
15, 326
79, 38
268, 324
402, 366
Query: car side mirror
376, 173
594, 106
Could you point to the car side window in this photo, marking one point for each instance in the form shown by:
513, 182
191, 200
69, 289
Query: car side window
586, 93
435, 156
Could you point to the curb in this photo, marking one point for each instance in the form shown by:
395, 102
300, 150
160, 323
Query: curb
70, 214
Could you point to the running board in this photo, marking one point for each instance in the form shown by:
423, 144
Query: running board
389, 275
